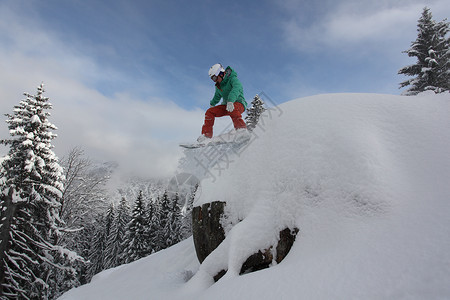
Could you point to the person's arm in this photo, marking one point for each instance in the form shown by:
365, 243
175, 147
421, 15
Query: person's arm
236, 89
216, 98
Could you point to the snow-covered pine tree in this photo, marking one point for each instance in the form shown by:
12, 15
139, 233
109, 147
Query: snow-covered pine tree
114, 246
168, 230
136, 242
97, 251
174, 223
254, 112
431, 48
153, 225
186, 222
162, 210
30, 198
443, 52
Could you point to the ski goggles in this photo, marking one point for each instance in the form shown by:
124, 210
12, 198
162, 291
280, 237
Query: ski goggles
214, 77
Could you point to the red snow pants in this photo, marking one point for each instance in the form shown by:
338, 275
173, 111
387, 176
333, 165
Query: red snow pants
220, 111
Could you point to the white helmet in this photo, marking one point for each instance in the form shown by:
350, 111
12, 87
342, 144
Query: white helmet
215, 70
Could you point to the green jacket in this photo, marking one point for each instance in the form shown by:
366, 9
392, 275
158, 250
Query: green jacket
230, 89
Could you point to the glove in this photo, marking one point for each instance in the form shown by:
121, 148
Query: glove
230, 106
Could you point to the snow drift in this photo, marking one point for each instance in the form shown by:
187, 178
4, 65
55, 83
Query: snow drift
365, 179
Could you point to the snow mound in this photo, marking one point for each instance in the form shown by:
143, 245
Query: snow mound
365, 179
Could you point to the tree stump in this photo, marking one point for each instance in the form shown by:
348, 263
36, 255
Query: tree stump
206, 228
208, 234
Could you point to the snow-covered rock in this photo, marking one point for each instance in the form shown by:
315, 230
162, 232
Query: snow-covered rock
365, 179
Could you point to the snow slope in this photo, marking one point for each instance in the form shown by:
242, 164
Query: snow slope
364, 177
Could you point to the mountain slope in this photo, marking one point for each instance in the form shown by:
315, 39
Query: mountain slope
365, 179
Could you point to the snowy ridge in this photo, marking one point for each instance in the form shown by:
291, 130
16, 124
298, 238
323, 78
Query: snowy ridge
365, 179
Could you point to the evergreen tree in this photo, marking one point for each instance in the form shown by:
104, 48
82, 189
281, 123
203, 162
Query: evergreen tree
169, 216
175, 221
153, 225
163, 213
114, 246
169, 222
254, 112
431, 48
97, 251
136, 241
30, 197
443, 53
186, 222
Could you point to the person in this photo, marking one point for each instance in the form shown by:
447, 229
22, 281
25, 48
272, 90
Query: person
228, 88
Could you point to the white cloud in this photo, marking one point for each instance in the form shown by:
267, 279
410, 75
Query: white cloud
359, 24
140, 134
380, 25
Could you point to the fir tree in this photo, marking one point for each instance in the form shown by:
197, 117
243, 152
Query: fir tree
186, 222
254, 112
174, 223
431, 48
30, 195
153, 225
114, 246
163, 213
99, 242
169, 222
136, 241
443, 53
169, 216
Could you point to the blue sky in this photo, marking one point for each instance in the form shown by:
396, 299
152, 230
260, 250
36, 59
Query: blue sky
128, 79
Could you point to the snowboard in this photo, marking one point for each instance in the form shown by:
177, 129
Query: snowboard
227, 138
200, 145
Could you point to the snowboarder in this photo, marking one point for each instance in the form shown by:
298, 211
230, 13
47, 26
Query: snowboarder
230, 89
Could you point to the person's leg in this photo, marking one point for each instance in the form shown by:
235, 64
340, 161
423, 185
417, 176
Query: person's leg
236, 116
210, 115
